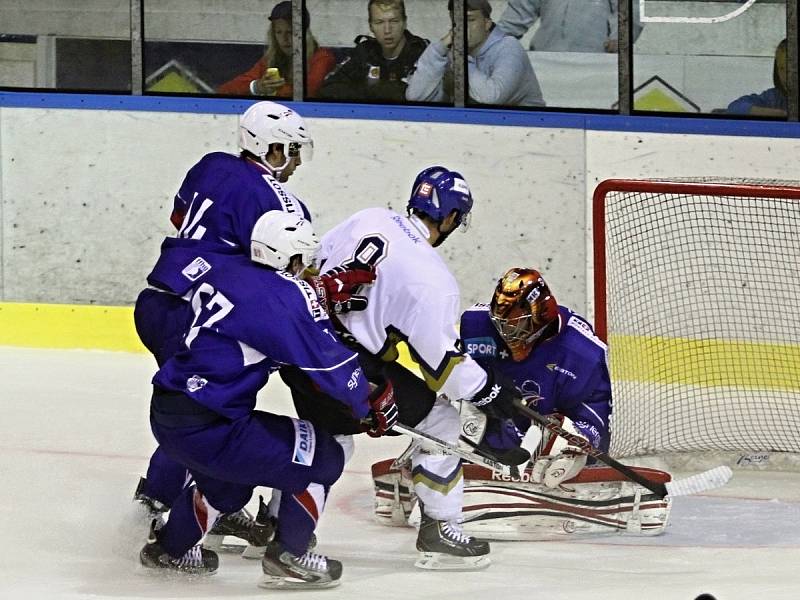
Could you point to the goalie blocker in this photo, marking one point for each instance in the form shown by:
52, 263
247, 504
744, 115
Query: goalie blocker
599, 500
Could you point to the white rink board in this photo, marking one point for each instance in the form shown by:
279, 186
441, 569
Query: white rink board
107, 214
86, 228
69, 477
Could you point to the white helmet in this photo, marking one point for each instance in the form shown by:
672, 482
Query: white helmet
266, 123
278, 236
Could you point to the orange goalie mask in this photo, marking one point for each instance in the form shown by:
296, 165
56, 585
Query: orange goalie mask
522, 307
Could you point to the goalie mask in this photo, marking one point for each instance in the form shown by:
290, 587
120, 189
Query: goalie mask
522, 308
266, 123
283, 241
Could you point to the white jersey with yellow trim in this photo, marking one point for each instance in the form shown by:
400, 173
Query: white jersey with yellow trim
414, 298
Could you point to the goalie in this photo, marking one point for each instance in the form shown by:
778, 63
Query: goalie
560, 367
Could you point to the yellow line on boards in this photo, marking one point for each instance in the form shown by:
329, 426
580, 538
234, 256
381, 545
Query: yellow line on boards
68, 326
84, 327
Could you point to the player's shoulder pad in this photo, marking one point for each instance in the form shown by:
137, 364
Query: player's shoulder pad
580, 325
306, 295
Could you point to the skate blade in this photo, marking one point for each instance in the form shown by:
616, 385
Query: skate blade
217, 544
272, 582
253, 552
438, 561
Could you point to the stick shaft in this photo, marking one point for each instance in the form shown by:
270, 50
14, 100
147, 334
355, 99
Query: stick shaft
554, 426
450, 448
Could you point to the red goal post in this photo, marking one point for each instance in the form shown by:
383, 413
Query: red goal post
697, 292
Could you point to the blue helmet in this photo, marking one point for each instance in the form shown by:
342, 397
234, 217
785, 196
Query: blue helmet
437, 191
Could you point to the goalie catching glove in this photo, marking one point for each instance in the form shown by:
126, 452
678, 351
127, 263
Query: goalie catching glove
558, 460
337, 288
383, 413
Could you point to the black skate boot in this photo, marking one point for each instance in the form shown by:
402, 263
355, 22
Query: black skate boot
256, 532
197, 561
155, 510
444, 545
282, 569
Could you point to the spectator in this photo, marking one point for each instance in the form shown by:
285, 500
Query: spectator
378, 67
567, 25
771, 102
273, 74
498, 69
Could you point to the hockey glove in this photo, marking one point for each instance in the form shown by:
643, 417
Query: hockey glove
558, 460
496, 397
383, 413
337, 288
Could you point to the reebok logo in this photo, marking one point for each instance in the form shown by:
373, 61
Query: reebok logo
492, 395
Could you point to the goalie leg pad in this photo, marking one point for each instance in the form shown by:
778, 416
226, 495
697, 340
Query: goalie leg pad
394, 494
595, 502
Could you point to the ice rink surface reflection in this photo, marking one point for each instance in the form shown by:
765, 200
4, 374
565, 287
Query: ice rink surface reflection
75, 438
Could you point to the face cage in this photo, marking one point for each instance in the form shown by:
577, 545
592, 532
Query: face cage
516, 331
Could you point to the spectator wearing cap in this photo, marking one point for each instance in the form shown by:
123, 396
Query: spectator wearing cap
273, 74
498, 68
377, 68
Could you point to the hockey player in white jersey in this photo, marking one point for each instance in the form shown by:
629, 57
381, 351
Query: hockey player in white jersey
416, 299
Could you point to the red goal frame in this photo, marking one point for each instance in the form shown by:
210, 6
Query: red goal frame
742, 189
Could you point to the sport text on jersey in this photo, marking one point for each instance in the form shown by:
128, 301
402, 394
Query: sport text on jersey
480, 346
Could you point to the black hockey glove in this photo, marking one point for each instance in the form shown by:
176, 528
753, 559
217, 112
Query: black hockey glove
337, 288
383, 415
496, 397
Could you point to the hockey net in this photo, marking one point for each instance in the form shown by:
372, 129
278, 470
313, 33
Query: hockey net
697, 291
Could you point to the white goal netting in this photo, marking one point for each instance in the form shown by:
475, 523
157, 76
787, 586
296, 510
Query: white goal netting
698, 292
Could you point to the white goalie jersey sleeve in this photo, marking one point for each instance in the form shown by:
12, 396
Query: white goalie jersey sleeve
414, 298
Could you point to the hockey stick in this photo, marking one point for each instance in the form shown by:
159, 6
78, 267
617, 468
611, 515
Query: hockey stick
694, 484
448, 448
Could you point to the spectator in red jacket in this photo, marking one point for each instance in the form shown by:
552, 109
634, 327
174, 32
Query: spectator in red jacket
273, 74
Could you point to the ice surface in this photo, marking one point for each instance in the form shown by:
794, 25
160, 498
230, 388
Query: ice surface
74, 439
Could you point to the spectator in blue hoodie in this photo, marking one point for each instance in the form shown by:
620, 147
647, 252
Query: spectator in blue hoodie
498, 68
771, 102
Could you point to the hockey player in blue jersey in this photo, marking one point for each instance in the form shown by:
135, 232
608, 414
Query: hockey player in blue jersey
249, 320
219, 201
554, 358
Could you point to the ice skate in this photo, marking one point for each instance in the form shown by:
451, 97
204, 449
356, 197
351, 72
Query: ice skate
256, 532
444, 546
282, 569
197, 561
155, 510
